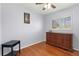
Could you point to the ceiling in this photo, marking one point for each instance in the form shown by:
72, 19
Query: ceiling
38, 8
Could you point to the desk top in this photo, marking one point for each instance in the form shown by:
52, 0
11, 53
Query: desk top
11, 43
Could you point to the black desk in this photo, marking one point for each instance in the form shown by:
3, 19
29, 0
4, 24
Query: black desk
11, 44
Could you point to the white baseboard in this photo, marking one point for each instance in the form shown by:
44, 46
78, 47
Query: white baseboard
76, 49
31, 44
40, 42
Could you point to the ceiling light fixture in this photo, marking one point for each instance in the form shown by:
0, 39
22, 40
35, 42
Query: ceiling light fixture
47, 6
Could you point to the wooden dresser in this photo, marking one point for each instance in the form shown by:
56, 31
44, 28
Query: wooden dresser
62, 40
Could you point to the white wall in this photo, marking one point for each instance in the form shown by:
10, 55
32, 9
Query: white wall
74, 13
0, 28
14, 28
0, 23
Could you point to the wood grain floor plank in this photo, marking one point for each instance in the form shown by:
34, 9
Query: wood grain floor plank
43, 49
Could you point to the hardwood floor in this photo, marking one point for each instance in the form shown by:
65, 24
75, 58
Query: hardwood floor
43, 49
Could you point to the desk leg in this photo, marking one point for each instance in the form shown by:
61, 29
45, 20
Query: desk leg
12, 51
19, 47
2, 50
